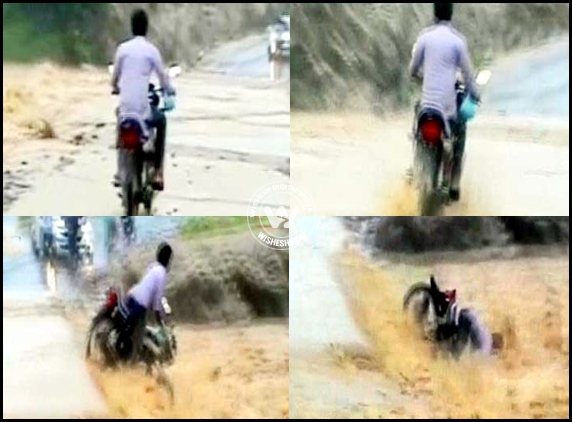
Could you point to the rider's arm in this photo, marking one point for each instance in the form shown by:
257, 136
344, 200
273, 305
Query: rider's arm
417, 58
161, 281
157, 63
467, 70
117, 64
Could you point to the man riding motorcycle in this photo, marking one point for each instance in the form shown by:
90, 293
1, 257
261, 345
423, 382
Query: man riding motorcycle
440, 51
145, 296
135, 61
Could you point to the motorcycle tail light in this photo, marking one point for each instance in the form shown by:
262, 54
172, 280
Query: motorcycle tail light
129, 138
112, 300
431, 131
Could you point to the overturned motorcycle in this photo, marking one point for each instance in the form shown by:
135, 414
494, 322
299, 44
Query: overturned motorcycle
136, 153
106, 345
452, 329
436, 146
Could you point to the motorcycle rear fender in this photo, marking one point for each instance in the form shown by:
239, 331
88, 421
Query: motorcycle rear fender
428, 112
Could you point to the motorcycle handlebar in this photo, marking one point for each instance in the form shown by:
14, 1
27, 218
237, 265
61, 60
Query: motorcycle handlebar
157, 90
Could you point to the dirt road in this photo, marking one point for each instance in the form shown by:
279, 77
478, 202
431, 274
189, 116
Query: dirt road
516, 157
228, 136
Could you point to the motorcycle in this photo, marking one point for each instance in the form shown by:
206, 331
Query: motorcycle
42, 237
136, 155
443, 322
106, 344
279, 45
434, 146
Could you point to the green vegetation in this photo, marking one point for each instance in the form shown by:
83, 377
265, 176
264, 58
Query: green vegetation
18, 33
355, 55
64, 32
213, 226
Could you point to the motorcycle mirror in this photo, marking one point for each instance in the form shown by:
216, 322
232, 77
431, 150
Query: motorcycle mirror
175, 71
483, 77
110, 69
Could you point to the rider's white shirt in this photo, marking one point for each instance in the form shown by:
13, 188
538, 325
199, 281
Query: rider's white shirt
439, 52
135, 62
150, 290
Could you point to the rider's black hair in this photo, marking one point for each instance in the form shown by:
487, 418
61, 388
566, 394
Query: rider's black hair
139, 22
164, 254
443, 11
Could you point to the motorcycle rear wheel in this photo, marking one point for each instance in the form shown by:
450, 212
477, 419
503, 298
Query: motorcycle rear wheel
427, 167
130, 183
130, 202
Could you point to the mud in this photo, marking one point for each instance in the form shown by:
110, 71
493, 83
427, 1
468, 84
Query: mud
231, 372
220, 279
526, 300
229, 369
391, 373
426, 234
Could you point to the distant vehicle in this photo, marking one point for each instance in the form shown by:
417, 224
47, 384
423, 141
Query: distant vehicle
42, 236
127, 228
279, 45
50, 238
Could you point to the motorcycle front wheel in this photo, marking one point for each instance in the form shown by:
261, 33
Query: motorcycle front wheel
97, 347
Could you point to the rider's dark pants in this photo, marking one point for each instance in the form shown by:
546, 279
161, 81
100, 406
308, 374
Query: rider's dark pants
459, 129
137, 315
